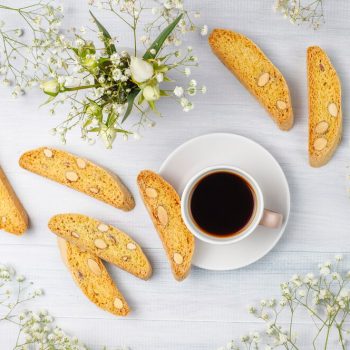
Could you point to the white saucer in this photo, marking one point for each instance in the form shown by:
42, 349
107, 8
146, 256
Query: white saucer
230, 149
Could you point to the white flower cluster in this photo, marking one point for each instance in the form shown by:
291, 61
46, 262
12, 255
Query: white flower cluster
24, 62
301, 11
324, 297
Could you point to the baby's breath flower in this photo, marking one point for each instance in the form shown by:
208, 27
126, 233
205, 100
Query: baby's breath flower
204, 30
187, 72
301, 12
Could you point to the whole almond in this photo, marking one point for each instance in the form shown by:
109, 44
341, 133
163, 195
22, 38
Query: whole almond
102, 227
320, 143
263, 79
178, 258
321, 127
48, 153
162, 215
94, 267
281, 105
94, 190
100, 243
81, 163
151, 192
131, 246
333, 109
74, 234
118, 304
72, 176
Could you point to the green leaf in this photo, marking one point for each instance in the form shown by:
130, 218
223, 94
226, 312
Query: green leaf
97, 129
152, 105
163, 93
131, 99
158, 43
107, 39
75, 50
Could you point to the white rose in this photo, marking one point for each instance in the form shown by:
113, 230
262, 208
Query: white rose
141, 70
151, 93
51, 87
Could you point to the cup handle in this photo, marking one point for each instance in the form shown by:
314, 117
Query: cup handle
271, 219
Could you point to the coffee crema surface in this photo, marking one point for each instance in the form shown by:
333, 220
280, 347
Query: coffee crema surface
222, 204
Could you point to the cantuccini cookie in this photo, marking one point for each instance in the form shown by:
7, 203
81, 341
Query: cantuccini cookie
13, 217
103, 240
79, 174
325, 107
93, 279
163, 205
256, 72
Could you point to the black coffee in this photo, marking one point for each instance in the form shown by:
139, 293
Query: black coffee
222, 204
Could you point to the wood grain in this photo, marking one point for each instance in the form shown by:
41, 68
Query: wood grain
208, 309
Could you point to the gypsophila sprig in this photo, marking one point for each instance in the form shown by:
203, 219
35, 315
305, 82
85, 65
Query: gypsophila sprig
26, 50
36, 329
323, 297
104, 84
301, 11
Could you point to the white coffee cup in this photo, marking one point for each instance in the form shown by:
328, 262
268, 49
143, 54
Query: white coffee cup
260, 216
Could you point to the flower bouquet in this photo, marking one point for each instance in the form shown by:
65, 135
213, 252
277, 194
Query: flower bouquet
105, 84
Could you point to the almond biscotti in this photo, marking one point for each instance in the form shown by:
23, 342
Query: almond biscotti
80, 174
325, 107
163, 205
102, 240
93, 279
13, 217
256, 72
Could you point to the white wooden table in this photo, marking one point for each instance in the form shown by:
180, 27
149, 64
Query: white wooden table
207, 309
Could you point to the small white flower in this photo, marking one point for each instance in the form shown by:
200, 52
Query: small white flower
38, 292
187, 71
186, 104
265, 316
251, 309
160, 77
193, 83
204, 30
178, 91
117, 74
339, 257
20, 278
